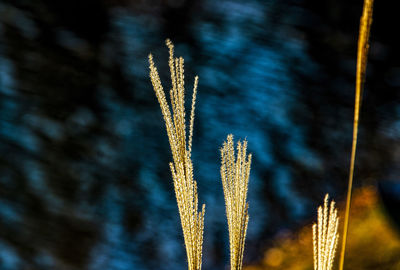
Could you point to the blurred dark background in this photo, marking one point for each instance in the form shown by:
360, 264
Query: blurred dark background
84, 176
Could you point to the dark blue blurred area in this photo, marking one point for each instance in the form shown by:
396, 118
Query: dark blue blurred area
84, 175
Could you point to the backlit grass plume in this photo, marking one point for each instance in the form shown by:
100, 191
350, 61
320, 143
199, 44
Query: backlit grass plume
235, 173
185, 186
325, 236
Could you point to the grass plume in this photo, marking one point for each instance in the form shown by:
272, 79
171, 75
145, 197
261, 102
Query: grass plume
235, 174
325, 236
185, 186
362, 53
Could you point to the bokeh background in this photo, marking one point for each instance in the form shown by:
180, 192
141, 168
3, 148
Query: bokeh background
84, 175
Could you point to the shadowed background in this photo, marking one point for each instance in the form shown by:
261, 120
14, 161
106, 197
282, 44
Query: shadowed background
84, 175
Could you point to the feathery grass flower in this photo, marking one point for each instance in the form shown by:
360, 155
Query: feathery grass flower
325, 236
235, 174
185, 186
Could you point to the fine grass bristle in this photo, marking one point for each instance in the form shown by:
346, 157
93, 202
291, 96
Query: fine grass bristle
325, 236
235, 174
185, 186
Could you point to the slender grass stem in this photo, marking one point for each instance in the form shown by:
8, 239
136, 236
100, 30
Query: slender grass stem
362, 52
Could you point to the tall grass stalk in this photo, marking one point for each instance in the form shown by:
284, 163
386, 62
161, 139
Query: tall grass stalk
185, 186
362, 52
235, 174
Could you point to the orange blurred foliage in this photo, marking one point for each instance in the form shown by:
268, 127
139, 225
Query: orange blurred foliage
372, 243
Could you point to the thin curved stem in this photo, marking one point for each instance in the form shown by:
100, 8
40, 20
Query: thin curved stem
362, 52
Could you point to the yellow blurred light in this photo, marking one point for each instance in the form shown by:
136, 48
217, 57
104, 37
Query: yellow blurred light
274, 257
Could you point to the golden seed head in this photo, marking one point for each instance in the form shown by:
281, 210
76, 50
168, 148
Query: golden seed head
235, 174
325, 236
185, 186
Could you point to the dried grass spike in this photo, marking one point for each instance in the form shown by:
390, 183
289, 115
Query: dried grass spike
325, 236
235, 174
185, 186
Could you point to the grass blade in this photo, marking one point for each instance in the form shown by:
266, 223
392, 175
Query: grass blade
362, 52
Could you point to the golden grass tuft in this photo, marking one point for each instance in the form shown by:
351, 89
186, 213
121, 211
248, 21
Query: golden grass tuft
235, 174
325, 236
185, 186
